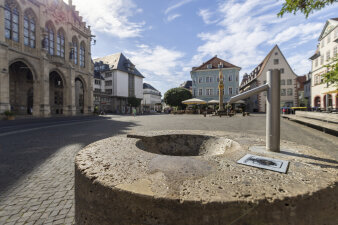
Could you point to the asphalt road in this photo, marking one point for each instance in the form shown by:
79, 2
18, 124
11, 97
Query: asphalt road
37, 155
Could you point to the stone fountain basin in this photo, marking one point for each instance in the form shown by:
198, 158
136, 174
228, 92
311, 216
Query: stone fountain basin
191, 177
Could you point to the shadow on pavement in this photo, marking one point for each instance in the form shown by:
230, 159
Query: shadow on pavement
22, 152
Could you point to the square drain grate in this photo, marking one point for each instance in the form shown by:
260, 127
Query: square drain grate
277, 165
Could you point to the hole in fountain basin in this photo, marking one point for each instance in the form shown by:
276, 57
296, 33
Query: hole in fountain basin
184, 145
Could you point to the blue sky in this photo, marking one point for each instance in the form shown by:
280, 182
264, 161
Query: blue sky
165, 38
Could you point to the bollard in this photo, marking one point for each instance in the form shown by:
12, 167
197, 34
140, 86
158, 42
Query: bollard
273, 111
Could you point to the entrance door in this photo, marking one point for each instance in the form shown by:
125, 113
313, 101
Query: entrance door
56, 88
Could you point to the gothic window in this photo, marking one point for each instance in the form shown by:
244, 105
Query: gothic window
29, 29
60, 44
75, 51
11, 21
82, 55
50, 38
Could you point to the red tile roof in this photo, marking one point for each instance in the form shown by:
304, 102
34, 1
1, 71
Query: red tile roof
215, 62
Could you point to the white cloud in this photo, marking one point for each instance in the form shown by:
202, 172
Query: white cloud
206, 15
246, 31
177, 5
172, 17
300, 63
112, 17
160, 65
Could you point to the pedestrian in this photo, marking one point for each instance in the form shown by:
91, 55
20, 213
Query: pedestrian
134, 112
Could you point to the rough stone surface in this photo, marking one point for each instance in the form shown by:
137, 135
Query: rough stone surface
136, 180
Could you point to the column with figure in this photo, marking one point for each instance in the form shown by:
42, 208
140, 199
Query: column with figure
220, 88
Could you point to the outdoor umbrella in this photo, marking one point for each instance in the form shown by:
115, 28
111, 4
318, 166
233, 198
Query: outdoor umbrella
194, 101
213, 102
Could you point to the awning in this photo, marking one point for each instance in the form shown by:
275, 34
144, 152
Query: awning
331, 92
213, 102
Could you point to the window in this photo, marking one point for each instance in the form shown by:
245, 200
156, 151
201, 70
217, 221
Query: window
97, 82
282, 92
236, 91
209, 66
289, 81
82, 55
200, 92
109, 91
200, 79
276, 53
327, 55
75, 50
108, 83
208, 79
316, 62
29, 29
230, 90
230, 77
108, 74
282, 70
282, 82
289, 92
276, 61
50, 38
209, 91
335, 52
11, 21
236, 78
60, 44
131, 85
321, 60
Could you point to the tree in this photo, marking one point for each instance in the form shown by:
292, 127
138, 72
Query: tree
134, 102
304, 6
175, 96
331, 77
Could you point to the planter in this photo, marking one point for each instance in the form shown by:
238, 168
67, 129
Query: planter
10, 117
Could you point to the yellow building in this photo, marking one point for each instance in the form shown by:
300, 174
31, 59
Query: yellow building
45, 52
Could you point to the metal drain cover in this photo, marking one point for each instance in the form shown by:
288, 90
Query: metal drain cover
277, 165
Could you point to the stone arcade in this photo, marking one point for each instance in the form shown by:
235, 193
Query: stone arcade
45, 66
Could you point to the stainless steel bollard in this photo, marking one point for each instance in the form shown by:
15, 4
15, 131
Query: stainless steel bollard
273, 111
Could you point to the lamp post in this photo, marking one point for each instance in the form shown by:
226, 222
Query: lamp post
221, 88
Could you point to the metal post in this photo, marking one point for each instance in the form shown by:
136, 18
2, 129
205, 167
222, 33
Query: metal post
273, 111
221, 88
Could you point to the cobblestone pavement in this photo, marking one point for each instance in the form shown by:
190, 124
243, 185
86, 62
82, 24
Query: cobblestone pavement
37, 164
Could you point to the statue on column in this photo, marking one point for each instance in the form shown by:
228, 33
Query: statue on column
221, 89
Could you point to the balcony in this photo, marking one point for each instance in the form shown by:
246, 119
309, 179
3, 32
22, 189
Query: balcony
59, 61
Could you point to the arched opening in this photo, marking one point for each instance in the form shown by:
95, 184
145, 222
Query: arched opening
56, 88
317, 101
79, 96
21, 88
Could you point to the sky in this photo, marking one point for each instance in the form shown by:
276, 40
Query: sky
166, 38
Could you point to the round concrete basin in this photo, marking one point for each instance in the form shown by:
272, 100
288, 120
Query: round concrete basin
192, 177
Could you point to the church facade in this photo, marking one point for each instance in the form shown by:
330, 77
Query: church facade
45, 59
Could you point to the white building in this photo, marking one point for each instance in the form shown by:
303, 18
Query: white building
121, 81
323, 95
274, 60
151, 99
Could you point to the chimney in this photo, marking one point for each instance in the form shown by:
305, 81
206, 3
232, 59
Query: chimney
70, 2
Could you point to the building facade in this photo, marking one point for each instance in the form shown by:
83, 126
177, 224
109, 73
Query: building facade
151, 99
187, 85
307, 90
45, 51
121, 81
205, 79
274, 60
300, 90
324, 95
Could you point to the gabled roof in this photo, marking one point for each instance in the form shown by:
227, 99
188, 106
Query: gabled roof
260, 68
148, 86
215, 62
323, 34
187, 84
119, 62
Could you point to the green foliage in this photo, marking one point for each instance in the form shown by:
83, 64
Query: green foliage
304, 6
175, 96
331, 77
134, 102
8, 113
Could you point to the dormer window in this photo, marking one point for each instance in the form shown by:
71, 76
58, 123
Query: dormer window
220, 65
209, 66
